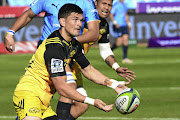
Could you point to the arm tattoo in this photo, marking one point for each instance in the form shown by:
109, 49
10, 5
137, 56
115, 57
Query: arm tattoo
108, 60
112, 56
107, 82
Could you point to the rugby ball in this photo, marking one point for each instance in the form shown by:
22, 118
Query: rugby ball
127, 101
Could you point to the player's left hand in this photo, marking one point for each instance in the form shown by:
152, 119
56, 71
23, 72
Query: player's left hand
102, 106
125, 73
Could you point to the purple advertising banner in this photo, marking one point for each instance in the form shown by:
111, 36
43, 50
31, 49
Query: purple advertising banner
164, 42
162, 7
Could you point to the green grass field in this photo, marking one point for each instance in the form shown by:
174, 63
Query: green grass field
157, 81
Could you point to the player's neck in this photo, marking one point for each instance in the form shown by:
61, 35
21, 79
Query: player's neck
65, 35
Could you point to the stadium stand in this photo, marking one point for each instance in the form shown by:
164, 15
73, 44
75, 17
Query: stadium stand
15, 3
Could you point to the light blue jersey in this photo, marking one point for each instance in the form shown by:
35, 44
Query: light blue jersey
51, 8
119, 11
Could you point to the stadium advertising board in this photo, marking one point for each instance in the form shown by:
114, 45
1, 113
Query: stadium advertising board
147, 26
21, 47
12, 12
164, 42
144, 27
30, 33
161, 7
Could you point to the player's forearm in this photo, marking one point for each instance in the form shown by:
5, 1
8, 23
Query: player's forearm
110, 61
101, 79
92, 34
108, 56
111, 16
94, 75
23, 20
127, 20
65, 90
69, 92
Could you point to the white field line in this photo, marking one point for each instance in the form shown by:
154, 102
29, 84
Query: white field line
174, 88
106, 118
160, 88
124, 118
155, 62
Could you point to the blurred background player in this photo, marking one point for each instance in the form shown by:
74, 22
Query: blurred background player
77, 109
51, 23
46, 72
121, 27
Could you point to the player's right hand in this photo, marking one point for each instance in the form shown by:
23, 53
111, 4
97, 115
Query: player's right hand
117, 26
101, 105
127, 74
9, 43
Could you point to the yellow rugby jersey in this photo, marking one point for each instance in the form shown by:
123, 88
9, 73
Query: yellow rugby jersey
103, 38
103, 34
50, 60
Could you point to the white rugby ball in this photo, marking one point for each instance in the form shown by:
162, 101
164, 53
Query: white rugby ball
127, 101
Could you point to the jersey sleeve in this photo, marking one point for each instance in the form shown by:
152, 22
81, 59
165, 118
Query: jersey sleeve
54, 60
105, 36
37, 6
90, 12
80, 57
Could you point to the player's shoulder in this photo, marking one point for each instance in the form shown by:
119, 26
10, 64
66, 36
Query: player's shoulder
39, 1
103, 22
54, 38
54, 34
75, 42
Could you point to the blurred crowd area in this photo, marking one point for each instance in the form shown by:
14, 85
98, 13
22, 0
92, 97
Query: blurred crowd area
15, 3
131, 4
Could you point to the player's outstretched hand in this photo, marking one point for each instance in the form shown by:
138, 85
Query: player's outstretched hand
125, 73
101, 105
120, 88
9, 43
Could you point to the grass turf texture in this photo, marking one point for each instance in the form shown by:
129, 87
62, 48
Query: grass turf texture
157, 81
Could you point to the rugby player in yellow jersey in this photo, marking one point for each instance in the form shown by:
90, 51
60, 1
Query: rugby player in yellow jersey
46, 72
77, 109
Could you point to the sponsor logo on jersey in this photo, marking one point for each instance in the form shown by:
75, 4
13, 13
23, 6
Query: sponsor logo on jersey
56, 25
56, 65
72, 53
34, 110
55, 6
102, 31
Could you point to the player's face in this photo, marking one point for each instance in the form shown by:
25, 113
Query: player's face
103, 7
73, 24
121, 1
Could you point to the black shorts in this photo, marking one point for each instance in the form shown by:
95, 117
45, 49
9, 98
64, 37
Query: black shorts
118, 32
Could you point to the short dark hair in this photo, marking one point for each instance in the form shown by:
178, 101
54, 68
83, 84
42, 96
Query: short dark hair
98, 0
67, 9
